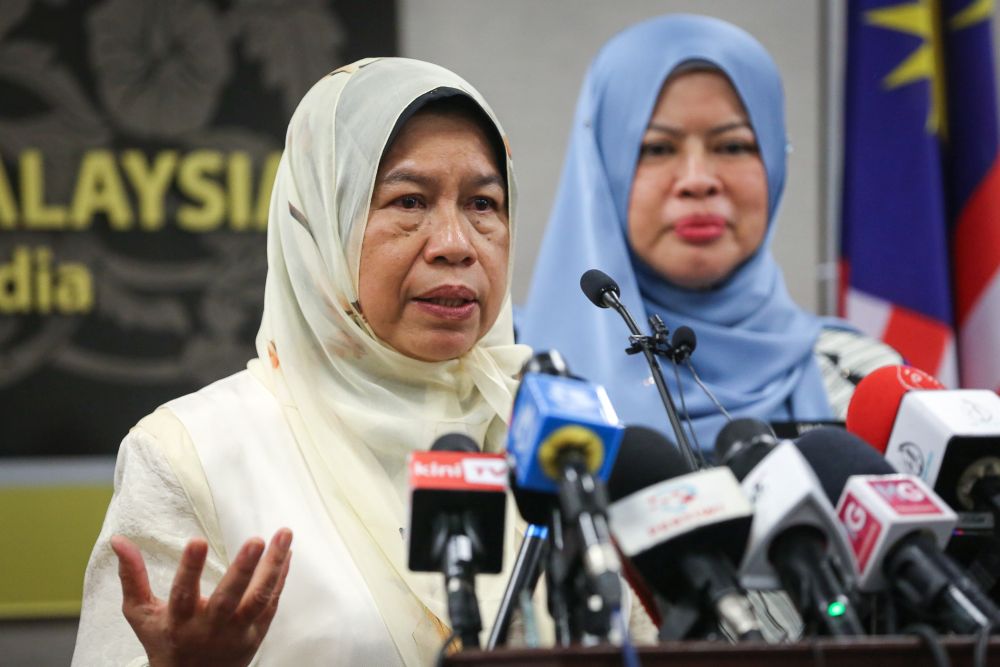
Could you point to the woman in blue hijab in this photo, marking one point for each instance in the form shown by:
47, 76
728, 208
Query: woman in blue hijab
674, 173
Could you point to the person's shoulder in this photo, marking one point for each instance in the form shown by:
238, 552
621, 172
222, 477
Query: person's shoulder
164, 424
853, 353
845, 356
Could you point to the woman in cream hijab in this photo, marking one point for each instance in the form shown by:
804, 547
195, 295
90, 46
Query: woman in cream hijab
386, 324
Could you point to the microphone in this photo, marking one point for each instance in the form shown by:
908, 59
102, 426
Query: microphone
456, 523
523, 577
562, 441
896, 526
948, 438
876, 399
683, 531
796, 540
528, 564
603, 291
683, 343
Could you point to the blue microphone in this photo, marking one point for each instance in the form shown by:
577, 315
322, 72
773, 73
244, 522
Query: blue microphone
563, 438
554, 416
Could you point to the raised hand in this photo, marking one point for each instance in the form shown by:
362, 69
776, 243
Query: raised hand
225, 628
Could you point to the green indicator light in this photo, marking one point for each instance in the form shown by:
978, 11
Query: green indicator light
836, 609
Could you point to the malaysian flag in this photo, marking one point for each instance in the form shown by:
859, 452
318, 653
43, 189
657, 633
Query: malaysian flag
920, 239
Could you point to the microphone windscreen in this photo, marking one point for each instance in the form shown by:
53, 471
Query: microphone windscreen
549, 362
875, 402
645, 457
455, 442
684, 338
836, 454
595, 283
742, 443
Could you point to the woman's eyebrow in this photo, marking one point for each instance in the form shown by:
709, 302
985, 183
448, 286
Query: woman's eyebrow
484, 180
719, 129
404, 176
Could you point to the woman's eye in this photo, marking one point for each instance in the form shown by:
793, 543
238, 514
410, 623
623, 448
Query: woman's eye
409, 201
655, 149
738, 148
483, 204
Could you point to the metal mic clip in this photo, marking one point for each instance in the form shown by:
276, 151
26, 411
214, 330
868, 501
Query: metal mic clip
658, 343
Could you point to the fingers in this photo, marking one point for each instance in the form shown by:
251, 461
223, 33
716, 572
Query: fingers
185, 591
131, 572
230, 590
269, 577
263, 621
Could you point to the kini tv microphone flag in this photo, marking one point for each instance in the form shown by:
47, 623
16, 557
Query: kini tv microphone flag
456, 527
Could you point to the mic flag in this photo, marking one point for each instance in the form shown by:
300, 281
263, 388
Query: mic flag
664, 514
875, 402
948, 438
550, 414
878, 510
463, 484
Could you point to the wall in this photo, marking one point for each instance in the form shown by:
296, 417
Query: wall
528, 58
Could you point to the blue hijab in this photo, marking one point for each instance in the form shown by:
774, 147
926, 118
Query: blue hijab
755, 345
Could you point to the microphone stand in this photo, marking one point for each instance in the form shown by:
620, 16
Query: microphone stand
656, 344
524, 577
556, 580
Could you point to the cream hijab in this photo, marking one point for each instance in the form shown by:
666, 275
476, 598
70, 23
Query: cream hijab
356, 406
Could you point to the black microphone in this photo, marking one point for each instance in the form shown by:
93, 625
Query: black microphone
896, 526
683, 531
683, 343
742, 444
603, 291
796, 537
457, 515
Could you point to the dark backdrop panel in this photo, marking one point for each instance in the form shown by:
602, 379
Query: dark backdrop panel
138, 140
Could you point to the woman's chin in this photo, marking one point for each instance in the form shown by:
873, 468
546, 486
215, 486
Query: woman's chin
438, 345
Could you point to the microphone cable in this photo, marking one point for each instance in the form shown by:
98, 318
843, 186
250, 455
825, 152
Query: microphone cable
982, 645
930, 637
711, 396
630, 657
448, 648
702, 463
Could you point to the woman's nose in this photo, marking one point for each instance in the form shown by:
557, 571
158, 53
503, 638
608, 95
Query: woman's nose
697, 177
450, 241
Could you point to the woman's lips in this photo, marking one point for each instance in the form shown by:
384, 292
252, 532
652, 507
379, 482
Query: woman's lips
699, 229
449, 302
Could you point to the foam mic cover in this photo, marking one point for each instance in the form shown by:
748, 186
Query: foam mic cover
684, 342
595, 284
742, 444
645, 457
874, 405
836, 454
455, 442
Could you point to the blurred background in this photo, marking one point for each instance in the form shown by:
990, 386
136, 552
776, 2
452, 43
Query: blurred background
138, 142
